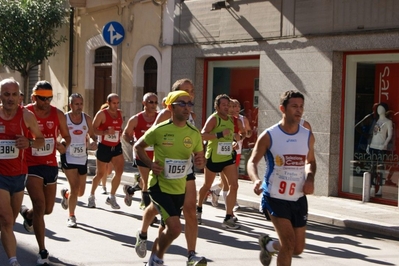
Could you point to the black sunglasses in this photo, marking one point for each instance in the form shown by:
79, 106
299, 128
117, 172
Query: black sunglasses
152, 102
183, 104
43, 99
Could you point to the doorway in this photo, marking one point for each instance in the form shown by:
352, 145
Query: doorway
102, 86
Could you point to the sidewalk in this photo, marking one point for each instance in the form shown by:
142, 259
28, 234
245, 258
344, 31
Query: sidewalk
371, 217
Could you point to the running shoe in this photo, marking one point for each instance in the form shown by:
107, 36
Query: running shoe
15, 263
103, 190
153, 262
215, 198
236, 207
199, 217
42, 258
265, 256
112, 203
92, 202
194, 260
141, 245
64, 200
72, 222
28, 223
128, 198
230, 224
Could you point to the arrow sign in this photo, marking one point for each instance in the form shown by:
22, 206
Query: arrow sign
113, 33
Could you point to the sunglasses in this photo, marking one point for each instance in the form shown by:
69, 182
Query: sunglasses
152, 102
183, 104
43, 99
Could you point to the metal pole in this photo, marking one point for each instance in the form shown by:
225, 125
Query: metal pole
366, 186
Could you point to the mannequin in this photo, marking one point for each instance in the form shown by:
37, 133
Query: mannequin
382, 134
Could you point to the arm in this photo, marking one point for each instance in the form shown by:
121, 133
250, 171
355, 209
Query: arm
199, 159
308, 186
247, 128
210, 124
99, 119
164, 115
139, 149
93, 137
31, 123
64, 131
260, 149
128, 132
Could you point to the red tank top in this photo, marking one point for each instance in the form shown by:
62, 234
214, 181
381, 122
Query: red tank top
142, 126
49, 128
111, 140
12, 160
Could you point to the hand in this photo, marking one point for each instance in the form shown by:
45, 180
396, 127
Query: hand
156, 168
199, 161
308, 187
257, 187
93, 146
235, 145
111, 131
21, 142
61, 148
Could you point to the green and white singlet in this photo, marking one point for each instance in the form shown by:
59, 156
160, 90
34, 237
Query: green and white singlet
173, 147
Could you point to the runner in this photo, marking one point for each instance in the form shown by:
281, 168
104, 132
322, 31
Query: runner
174, 142
288, 149
16, 123
190, 201
219, 132
135, 128
108, 125
74, 161
42, 164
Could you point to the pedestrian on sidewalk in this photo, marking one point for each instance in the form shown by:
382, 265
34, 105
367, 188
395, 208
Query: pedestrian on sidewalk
137, 125
288, 149
16, 123
174, 143
43, 165
107, 124
74, 161
221, 157
190, 199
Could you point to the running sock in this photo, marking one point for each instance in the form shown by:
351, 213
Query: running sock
190, 254
199, 209
12, 260
269, 246
130, 190
143, 236
228, 217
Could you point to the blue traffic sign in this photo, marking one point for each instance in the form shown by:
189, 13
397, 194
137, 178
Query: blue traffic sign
113, 33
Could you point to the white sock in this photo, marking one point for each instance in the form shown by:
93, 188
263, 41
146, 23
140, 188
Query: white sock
269, 246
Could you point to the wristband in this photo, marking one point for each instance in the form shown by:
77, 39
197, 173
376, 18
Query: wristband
219, 135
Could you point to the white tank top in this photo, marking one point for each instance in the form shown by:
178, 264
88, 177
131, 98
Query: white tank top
76, 152
240, 118
286, 160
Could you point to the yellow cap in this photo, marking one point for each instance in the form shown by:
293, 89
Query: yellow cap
172, 96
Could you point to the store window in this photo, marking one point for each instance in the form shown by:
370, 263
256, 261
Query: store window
371, 136
238, 78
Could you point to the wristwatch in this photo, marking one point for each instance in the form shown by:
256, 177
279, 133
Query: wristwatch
31, 142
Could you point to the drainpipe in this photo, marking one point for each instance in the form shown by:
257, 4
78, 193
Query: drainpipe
71, 39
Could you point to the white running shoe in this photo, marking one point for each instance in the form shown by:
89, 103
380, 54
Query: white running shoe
236, 207
64, 200
128, 198
215, 198
42, 258
92, 202
141, 245
72, 222
230, 224
112, 202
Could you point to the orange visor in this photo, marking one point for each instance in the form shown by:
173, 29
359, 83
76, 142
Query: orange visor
44, 93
